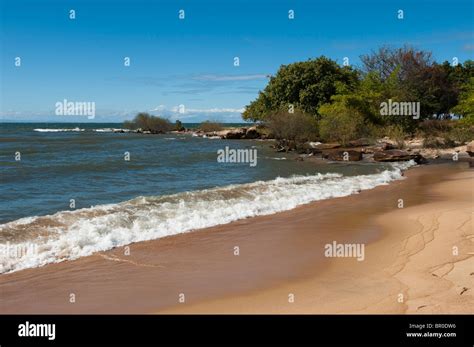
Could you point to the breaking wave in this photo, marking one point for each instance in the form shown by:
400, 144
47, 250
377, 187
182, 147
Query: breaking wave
69, 235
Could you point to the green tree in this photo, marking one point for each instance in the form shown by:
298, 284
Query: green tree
304, 85
465, 107
411, 75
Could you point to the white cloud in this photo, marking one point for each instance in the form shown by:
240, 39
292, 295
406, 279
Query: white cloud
159, 108
198, 114
176, 109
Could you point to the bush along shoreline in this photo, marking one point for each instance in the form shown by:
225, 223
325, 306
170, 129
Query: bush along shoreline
398, 105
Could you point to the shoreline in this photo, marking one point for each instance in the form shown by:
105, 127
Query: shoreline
413, 268
274, 250
381, 149
373, 150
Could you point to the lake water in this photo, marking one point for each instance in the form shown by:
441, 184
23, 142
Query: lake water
73, 193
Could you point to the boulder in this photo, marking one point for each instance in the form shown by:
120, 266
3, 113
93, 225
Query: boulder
343, 155
383, 146
470, 149
252, 133
397, 155
221, 133
323, 146
231, 134
236, 133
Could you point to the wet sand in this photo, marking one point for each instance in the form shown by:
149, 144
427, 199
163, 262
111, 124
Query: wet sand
408, 251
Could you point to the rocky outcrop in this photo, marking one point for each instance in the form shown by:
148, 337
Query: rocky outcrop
237, 133
382, 146
470, 149
252, 133
342, 155
397, 155
229, 134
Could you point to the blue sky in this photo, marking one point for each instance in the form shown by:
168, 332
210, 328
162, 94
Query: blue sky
191, 61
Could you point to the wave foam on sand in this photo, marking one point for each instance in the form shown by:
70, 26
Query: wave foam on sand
69, 235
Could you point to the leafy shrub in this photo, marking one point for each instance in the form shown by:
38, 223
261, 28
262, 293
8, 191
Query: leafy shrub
150, 123
435, 127
341, 123
461, 134
437, 142
298, 126
467, 120
445, 133
396, 133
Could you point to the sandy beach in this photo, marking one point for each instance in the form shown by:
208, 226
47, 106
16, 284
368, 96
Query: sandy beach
418, 259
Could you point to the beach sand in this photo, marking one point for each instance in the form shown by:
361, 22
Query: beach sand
418, 259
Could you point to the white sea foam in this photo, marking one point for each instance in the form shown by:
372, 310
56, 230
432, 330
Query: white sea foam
104, 130
72, 234
48, 130
111, 130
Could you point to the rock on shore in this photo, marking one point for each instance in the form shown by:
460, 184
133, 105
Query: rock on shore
470, 149
233, 133
391, 155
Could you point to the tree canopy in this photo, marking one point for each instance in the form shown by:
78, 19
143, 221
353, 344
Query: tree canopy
400, 74
303, 85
